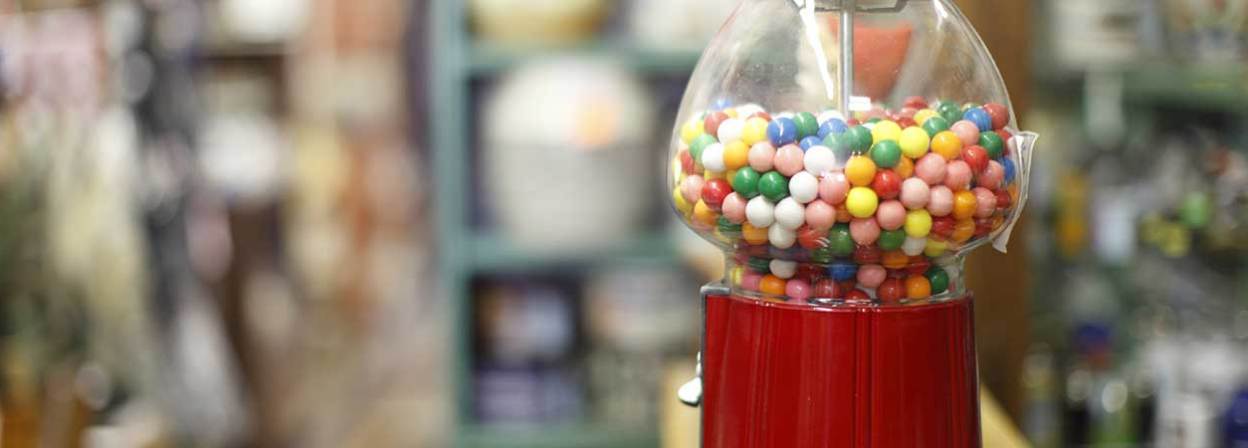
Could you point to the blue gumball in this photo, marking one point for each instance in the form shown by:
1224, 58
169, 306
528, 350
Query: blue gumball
980, 117
842, 270
1009, 169
782, 131
832, 126
811, 141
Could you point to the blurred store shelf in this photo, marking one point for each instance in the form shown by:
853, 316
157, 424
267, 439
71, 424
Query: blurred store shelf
486, 59
574, 436
494, 253
1204, 86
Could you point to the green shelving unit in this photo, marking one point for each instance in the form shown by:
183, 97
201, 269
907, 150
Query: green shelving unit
466, 252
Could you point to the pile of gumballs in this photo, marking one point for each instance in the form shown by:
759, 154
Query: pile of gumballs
874, 206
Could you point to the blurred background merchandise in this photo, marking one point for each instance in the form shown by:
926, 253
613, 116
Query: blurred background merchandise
347, 223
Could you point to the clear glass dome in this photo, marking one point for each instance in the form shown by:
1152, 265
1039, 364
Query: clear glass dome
806, 162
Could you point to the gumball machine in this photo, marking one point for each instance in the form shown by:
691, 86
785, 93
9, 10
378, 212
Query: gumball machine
845, 155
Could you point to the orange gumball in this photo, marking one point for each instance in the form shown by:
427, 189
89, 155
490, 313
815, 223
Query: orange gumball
772, 285
860, 170
918, 287
947, 144
963, 205
753, 235
904, 168
963, 229
894, 259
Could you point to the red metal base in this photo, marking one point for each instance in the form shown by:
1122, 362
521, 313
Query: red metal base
779, 375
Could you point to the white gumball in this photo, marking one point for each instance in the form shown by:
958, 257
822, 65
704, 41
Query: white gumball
760, 212
913, 246
804, 187
790, 214
819, 159
713, 158
781, 237
783, 268
730, 130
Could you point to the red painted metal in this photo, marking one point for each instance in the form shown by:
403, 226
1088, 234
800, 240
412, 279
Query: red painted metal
780, 375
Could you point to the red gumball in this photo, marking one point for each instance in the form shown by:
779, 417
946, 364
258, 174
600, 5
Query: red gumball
943, 226
887, 184
916, 102
918, 265
714, 191
711, 124
811, 238
826, 289
1000, 115
906, 122
857, 295
976, 157
891, 290
761, 114
896, 273
983, 226
809, 272
686, 162
1005, 140
852, 122
1003, 199
867, 255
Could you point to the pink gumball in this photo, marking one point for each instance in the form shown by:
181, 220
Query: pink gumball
751, 280
833, 188
789, 160
891, 215
915, 193
992, 176
691, 188
761, 156
864, 231
985, 202
797, 289
931, 168
734, 208
941, 202
819, 215
959, 176
871, 275
967, 132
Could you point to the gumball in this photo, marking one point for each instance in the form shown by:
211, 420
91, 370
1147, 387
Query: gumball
729, 131
772, 285
895, 259
773, 186
949, 111
751, 281
782, 131
947, 144
966, 131
860, 170
691, 188
826, 288
784, 269
760, 212
886, 153
686, 162
790, 214
918, 265
914, 142
860, 139
924, 114
935, 125
915, 193
904, 168
864, 231
727, 229
678, 201
1005, 140
698, 144
781, 237
857, 296
748, 109
840, 241
918, 287
913, 246
788, 160
861, 202
890, 215
999, 114
984, 226
811, 238
714, 191
842, 214
798, 289
833, 187
819, 160
932, 169
918, 223
1008, 168
958, 176
885, 131
892, 239
832, 126
691, 130
866, 255
979, 117
891, 290
992, 143
734, 208
752, 234
870, 276
762, 157
992, 176
1003, 199
754, 131
703, 214
916, 102
941, 201
736, 155
887, 184
803, 187
938, 278
985, 202
809, 271
964, 204
761, 114
841, 270
806, 123
943, 226
840, 146
907, 122
963, 230
809, 142
745, 182
935, 248
820, 215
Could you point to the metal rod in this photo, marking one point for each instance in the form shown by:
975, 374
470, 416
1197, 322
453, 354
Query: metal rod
847, 53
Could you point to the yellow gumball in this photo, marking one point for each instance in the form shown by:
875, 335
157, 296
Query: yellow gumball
935, 248
861, 202
860, 170
962, 231
736, 155
702, 214
754, 131
691, 130
753, 235
914, 142
736, 274
885, 130
731, 112
947, 144
679, 201
918, 223
922, 115
707, 175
